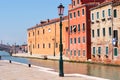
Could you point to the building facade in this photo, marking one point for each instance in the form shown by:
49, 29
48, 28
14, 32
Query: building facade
105, 31
44, 37
79, 43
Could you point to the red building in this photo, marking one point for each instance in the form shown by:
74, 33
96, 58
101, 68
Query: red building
79, 38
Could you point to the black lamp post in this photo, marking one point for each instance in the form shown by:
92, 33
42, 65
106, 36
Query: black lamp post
60, 12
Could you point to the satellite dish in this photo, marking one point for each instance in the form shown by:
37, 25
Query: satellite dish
114, 41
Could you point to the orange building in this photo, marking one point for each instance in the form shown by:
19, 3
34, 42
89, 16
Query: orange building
79, 29
44, 38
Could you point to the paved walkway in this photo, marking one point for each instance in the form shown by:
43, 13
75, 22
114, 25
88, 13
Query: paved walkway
39, 56
18, 71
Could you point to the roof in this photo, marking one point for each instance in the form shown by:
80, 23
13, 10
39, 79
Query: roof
111, 2
85, 5
47, 22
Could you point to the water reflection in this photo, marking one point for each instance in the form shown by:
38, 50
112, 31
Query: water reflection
108, 72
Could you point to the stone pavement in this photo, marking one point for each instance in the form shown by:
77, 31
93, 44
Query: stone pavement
18, 71
39, 56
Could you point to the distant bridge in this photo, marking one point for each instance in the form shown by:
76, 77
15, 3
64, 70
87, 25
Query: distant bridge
5, 48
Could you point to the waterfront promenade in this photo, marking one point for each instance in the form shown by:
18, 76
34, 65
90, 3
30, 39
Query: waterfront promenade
18, 71
41, 56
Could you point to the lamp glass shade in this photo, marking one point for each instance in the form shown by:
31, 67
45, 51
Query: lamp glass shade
60, 10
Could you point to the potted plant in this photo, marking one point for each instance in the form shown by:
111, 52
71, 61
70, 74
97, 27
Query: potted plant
99, 55
106, 56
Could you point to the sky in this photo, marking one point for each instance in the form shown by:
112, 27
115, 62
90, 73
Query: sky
16, 16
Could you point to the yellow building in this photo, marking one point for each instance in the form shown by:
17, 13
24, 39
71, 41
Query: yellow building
44, 37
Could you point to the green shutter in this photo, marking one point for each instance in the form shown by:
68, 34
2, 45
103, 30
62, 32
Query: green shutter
99, 50
106, 50
103, 13
109, 12
93, 50
115, 13
115, 52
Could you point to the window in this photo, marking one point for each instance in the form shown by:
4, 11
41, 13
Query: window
66, 28
83, 39
92, 16
43, 31
103, 13
103, 31
78, 1
93, 33
115, 13
71, 52
83, 11
115, 52
74, 14
71, 29
106, 50
43, 45
78, 52
78, 27
29, 34
93, 50
38, 46
79, 40
74, 40
110, 31
98, 32
83, 52
70, 15
78, 13
74, 28
97, 15
83, 25
33, 33
99, 50
115, 38
74, 3
49, 45
70, 40
109, 12
38, 32
74, 52
56, 45
115, 34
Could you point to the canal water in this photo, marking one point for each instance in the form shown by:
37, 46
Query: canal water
108, 72
6, 56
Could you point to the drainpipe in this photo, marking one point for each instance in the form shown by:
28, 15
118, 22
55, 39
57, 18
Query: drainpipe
112, 28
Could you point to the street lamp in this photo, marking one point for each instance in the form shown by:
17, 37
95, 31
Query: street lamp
60, 12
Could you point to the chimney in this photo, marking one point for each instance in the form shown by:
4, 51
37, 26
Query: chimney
42, 22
